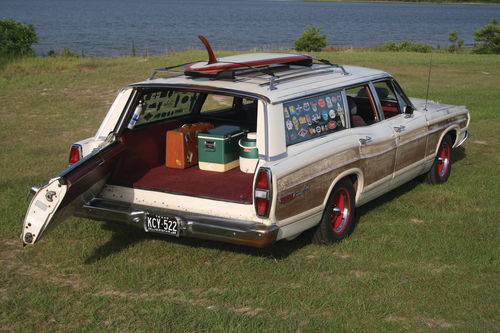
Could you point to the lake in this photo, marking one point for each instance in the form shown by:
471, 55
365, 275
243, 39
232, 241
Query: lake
109, 27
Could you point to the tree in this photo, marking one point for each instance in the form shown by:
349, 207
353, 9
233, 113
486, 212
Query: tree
456, 44
16, 38
311, 39
488, 38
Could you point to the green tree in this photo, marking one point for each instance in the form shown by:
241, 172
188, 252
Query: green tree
16, 38
311, 39
456, 44
488, 38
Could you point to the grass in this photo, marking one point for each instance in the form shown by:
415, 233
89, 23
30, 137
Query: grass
421, 257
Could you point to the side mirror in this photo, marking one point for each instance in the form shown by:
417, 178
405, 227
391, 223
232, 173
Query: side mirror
408, 111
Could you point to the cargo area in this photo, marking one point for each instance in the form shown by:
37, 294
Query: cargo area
143, 161
232, 185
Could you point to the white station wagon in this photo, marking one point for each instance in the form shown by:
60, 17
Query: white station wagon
261, 147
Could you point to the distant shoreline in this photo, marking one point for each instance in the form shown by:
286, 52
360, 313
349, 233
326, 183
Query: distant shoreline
422, 2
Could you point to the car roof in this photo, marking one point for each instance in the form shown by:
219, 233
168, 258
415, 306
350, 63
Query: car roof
289, 81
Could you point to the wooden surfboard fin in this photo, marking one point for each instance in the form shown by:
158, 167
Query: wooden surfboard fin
211, 56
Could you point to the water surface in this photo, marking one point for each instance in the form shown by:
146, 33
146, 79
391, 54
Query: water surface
108, 27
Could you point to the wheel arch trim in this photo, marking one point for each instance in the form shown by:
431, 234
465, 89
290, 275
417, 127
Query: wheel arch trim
355, 175
453, 132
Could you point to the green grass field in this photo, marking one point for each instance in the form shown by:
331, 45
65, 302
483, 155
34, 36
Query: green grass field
421, 258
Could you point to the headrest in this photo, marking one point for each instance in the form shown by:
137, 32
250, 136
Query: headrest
353, 108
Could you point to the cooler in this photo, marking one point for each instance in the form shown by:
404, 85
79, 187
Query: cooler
218, 148
182, 145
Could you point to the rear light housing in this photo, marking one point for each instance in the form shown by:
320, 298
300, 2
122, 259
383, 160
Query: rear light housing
263, 192
75, 154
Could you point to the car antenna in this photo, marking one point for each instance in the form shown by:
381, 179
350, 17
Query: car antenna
428, 84
211, 56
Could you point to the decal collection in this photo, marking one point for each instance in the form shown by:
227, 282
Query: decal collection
312, 117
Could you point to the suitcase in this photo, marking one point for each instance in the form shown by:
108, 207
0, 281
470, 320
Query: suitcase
218, 148
182, 145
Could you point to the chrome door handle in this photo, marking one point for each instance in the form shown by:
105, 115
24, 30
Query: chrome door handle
32, 191
365, 140
399, 129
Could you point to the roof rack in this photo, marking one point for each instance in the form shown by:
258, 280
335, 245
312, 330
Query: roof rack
301, 69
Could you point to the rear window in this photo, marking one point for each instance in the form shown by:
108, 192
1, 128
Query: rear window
165, 104
312, 117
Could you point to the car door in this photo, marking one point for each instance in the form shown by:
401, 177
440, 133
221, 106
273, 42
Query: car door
377, 142
77, 184
409, 130
411, 137
377, 152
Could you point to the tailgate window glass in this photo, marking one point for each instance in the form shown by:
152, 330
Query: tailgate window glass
312, 117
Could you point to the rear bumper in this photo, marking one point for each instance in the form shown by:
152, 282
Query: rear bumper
191, 225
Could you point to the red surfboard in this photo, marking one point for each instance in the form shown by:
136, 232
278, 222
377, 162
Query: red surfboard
244, 61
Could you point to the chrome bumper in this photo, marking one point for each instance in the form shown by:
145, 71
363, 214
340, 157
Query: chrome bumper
191, 225
466, 136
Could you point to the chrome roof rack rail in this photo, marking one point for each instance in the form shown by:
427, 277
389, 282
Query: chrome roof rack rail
325, 69
168, 70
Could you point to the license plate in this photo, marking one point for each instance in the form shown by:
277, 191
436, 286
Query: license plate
162, 224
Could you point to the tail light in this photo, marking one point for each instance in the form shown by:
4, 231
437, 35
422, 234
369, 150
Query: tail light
75, 154
263, 193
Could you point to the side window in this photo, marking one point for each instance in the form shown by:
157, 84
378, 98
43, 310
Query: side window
217, 103
389, 102
239, 106
400, 95
362, 108
312, 117
165, 104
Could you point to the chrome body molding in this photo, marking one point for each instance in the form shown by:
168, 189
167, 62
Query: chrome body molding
191, 225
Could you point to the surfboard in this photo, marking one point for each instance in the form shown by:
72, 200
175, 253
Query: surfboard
244, 61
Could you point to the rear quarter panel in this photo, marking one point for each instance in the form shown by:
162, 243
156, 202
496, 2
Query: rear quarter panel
305, 177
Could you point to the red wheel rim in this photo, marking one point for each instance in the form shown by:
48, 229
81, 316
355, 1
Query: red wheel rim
443, 159
340, 210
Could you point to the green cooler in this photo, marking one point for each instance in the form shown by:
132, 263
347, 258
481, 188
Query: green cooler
218, 148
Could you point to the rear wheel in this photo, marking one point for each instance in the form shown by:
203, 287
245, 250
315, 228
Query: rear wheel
338, 217
441, 168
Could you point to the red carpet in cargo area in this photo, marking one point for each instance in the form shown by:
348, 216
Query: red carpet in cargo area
231, 185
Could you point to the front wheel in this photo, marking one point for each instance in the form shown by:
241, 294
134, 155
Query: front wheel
338, 217
441, 168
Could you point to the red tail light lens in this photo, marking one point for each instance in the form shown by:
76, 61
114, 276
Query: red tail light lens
262, 196
75, 154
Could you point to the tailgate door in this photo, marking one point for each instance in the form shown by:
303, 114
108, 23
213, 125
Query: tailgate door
75, 185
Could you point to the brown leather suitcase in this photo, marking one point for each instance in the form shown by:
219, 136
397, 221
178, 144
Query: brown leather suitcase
182, 145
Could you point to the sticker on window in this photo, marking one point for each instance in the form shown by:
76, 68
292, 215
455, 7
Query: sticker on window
312, 117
